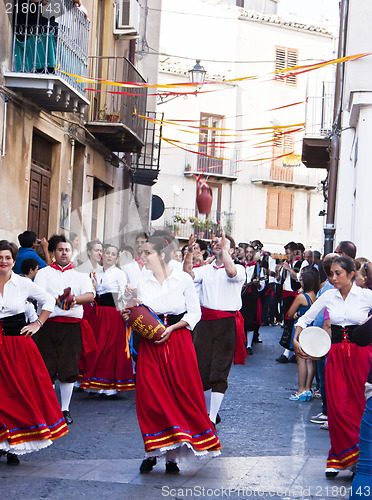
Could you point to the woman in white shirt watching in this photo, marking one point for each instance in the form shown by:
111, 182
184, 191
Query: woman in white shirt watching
347, 364
170, 402
30, 415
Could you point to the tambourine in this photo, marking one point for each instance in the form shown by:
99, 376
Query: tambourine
145, 322
315, 341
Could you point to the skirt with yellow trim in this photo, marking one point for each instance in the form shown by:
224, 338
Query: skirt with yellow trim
347, 371
107, 370
30, 415
170, 400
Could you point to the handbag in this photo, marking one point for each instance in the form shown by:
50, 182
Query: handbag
285, 340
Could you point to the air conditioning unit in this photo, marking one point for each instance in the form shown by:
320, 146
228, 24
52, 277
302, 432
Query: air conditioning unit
127, 19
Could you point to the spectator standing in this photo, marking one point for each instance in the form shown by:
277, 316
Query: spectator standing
28, 242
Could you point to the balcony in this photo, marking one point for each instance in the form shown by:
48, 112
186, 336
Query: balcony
289, 177
46, 54
318, 125
225, 169
181, 222
113, 113
147, 164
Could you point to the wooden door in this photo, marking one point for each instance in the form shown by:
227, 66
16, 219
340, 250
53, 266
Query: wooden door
38, 212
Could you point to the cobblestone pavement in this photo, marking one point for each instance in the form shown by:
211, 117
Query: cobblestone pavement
269, 447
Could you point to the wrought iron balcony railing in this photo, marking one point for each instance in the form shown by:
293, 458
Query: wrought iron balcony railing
115, 105
181, 222
295, 177
47, 54
212, 162
319, 111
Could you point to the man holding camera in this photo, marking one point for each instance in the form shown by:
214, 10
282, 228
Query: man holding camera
28, 242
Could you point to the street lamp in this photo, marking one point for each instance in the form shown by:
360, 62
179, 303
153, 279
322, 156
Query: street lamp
197, 73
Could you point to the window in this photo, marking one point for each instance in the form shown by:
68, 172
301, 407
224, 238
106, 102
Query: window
209, 139
279, 209
286, 58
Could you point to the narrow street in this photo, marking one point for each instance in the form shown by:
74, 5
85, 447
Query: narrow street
269, 447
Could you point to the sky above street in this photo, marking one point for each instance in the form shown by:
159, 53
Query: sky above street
314, 9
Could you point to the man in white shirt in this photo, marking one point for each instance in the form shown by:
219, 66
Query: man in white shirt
60, 340
215, 336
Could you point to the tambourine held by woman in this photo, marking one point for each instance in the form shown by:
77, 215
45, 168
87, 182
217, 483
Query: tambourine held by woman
145, 322
315, 341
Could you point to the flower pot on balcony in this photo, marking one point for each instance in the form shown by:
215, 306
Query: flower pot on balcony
112, 118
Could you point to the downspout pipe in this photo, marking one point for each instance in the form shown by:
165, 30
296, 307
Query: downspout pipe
335, 136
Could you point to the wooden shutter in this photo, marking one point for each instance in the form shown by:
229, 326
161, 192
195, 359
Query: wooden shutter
286, 58
272, 209
292, 60
279, 209
285, 218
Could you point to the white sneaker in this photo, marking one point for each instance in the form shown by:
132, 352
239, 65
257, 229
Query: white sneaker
324, 426
319, 419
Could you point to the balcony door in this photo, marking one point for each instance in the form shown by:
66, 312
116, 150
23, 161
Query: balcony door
210, 144
39, 197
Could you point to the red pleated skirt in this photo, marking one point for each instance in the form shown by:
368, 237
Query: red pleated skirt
170, 401
107, 370
30, 415
347, 371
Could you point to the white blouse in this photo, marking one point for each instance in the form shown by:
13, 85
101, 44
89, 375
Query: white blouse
17, 290
351, 311
113, 280
176, 295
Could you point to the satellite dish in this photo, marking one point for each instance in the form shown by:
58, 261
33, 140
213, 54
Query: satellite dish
176, 190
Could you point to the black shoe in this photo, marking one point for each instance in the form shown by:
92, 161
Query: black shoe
218, 419
249, 351
12, 459
282, 359
147, 465
257, 340
331, 473
171, 468
292, 359
68, 417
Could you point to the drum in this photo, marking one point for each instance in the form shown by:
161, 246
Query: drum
315, 341
145, 322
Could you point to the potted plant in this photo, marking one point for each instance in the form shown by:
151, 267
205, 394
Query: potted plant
178, 218
114, 116
173, 228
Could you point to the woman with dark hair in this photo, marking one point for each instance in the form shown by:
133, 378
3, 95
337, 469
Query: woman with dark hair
93, 264
306, 367
30, 415
108, 370
347, 364
170, 402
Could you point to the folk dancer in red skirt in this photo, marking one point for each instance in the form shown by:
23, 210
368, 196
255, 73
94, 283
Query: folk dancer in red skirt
108, 370
169, 397
219, 336
30, 415
65, 333
347, 365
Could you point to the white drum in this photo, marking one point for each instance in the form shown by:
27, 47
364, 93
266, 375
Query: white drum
315, 341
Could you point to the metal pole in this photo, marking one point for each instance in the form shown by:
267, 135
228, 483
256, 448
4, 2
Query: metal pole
329, 229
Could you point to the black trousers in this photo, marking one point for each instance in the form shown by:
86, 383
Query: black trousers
60, 347
214, 343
